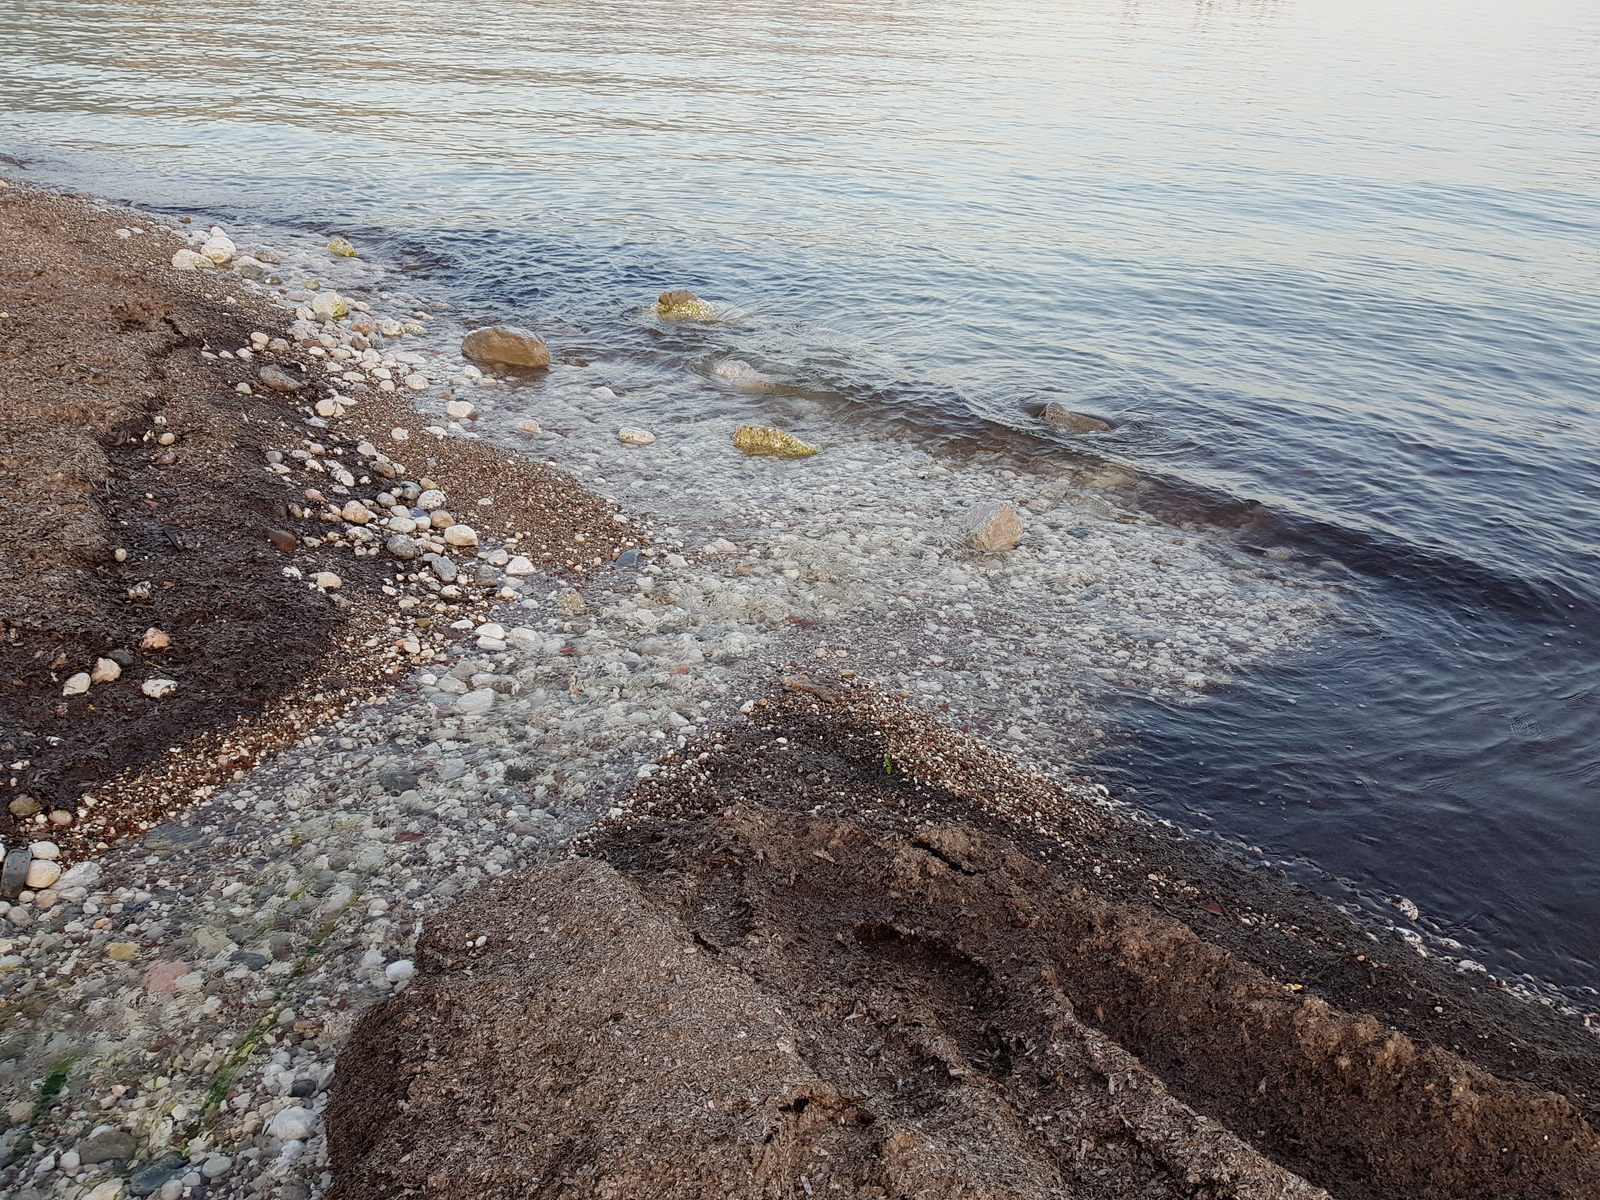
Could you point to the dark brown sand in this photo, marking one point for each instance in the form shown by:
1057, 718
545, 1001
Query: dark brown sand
101, 354
791, 972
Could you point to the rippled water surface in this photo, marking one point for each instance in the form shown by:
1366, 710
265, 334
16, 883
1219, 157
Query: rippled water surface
1331, 268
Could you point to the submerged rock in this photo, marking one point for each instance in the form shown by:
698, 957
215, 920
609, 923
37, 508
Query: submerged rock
683, 305
742, 377
635, 437
1063, 417
764, 439
506, 346
342, 248
992, 525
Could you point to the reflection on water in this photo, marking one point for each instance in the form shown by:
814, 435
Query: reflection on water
1330, 268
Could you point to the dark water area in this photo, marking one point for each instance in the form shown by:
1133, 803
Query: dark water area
1333, 271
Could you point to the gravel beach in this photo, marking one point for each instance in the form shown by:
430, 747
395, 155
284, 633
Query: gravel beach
310, 676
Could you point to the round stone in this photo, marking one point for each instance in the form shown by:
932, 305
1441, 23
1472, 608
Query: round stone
502, 344
402, 547
42, 873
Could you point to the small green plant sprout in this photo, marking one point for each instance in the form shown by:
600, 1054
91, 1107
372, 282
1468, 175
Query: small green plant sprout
888, 764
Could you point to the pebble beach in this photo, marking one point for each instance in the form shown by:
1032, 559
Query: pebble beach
189, 942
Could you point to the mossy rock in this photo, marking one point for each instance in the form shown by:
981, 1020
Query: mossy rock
683, 305
342, 248
763, 439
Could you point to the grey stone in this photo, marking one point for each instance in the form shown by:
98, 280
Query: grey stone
402, 547
14, 872
479, 700
249, 959
627, 558
396, 778
148, 1180
165, 838
279, 380
301, 1088
111, 1146
443, 567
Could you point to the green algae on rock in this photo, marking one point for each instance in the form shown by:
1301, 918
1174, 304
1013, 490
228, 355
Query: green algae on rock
763, 439
683, 305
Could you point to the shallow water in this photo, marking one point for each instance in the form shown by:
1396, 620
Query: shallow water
1330, 268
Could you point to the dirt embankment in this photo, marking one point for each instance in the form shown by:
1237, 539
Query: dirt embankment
808, 964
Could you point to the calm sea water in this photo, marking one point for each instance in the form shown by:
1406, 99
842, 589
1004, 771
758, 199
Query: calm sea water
1330, 266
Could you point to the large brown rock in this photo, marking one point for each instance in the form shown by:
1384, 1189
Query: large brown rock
1063, 417
993, 525
506, 347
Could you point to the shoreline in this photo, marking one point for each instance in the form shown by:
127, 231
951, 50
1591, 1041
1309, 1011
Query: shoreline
395, 850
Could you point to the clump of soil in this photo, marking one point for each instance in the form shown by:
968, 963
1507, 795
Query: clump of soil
814, 966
